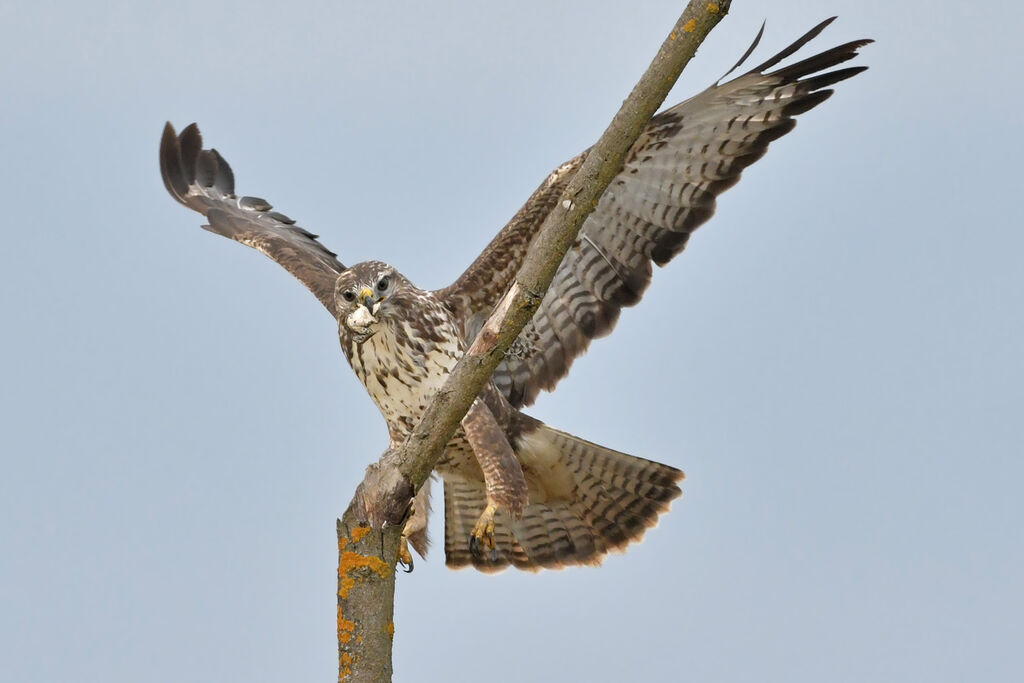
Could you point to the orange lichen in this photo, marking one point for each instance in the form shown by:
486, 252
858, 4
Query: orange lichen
345, 627
347, 583
345, 662
350, 562
358, 534
391, 629
713, 8
690, 26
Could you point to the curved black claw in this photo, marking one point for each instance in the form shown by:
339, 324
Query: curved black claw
474, 547
483, 548
407, 567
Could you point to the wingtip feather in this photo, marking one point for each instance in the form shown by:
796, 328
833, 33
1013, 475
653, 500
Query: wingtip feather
171, 165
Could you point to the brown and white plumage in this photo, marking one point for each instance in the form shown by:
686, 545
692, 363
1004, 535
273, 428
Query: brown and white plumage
688, 155
201, 180
560, 500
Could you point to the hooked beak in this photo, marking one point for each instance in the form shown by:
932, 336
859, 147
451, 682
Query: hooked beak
370, 300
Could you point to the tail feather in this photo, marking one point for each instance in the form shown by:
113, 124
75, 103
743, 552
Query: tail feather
606, 464
611, 501
463, 503
620, 516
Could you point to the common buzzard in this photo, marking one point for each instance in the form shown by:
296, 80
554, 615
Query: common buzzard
516, 491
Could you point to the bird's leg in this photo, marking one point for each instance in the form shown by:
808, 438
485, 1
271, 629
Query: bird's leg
503, 475
482, 536
414, 533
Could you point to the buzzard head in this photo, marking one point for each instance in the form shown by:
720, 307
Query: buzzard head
363, 295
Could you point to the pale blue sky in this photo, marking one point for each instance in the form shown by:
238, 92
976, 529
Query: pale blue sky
835, 361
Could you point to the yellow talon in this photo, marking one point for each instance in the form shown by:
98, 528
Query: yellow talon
483, 534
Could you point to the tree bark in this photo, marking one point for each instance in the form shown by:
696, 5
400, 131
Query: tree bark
366, 600
370, 531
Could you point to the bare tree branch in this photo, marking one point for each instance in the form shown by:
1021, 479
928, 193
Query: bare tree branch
369, 532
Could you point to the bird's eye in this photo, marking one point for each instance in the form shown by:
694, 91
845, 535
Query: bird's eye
382, 284
348, 295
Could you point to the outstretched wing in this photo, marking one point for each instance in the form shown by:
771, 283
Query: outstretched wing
668, 187
201, 180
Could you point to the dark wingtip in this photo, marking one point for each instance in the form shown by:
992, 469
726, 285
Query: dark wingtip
807, 103
832, 77
225, 176
171, 166
796, 45
183, 161
190, 142
820, 62
750, 50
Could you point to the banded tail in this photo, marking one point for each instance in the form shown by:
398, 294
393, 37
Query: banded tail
585, 501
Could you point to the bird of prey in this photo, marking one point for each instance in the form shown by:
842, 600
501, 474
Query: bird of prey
516, 491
